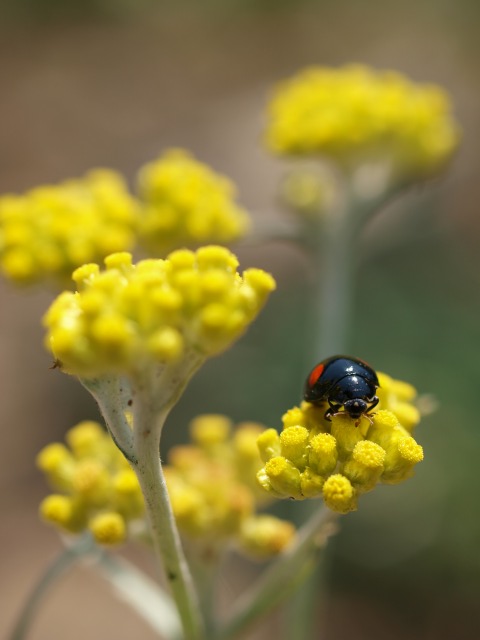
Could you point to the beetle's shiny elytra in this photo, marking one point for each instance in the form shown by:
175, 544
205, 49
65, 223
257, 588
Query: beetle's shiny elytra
344, 383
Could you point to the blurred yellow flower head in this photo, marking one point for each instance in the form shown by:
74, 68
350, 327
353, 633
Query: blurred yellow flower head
184, 202
354, 114
337, 460
129, 316
211, 483
96, 488
49, 231
213, 490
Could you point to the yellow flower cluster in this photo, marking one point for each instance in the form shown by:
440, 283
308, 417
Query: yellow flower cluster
213, 491
49, 231
156, 311
186, 203
211, 483
355, 114
337, 460
96, 488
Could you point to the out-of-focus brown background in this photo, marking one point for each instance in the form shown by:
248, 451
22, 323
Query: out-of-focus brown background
104, 83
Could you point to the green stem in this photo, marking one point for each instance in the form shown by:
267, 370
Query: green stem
333, 265
204, 564
149, 417
57, 568
334, 249
282, 576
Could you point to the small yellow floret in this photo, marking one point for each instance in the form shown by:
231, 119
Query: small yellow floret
311, 483
284, 477
293, 441
166, 344
369, 454
339, 494
410, 450
365, 466
269, 444
52, 456
293, 417
56, 461
121, 260
85, 273
385, 419
91, 481
323, 454
265, 536
57, 509
85, 438
260, 281
210, 429
108, 528
346, 433
245, 441
64, 512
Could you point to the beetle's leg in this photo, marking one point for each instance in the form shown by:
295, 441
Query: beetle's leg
331, 411
364, 415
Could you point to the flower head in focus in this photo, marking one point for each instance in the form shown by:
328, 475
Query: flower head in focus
213, 490
184, 202
49, 231
156, 312
354, 115
337, 460
95, 488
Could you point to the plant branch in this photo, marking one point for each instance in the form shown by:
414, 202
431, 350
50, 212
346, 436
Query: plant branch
61, 563
284, 572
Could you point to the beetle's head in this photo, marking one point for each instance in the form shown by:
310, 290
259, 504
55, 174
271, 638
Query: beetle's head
355, 407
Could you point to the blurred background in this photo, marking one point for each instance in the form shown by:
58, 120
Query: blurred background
114, 82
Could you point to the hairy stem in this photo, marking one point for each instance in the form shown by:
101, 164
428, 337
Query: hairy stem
150, 411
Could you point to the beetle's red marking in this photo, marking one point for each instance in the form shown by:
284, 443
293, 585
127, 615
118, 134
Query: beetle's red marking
315, 375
